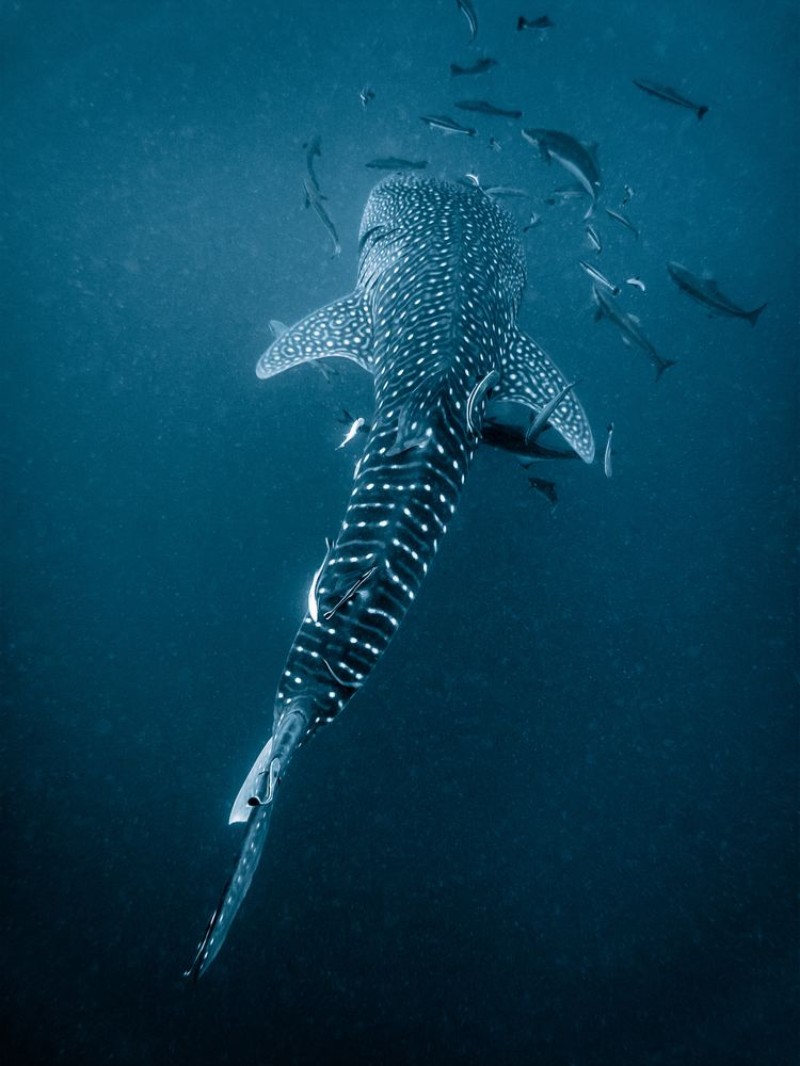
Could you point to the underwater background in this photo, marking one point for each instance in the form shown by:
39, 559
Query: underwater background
558, 826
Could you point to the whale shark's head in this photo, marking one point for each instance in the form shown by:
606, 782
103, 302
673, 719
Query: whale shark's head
413, 221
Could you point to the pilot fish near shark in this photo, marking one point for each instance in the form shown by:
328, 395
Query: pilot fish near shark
433, 319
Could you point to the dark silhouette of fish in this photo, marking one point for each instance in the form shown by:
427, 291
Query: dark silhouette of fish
672, 96
480, 66
433, 319
706, 291
394, 163
543, 22
630, 330
547, 489
485, 108
577, 157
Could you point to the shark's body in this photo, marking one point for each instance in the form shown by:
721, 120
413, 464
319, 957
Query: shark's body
433, 318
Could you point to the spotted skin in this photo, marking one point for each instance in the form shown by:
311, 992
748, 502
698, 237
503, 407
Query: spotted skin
433, 318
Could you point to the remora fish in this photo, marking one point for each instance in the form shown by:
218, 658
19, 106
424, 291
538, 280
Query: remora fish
314, 199
626, 222
705, 291
393, 163
465, 6
480, 66
483, 107
630, 329
672, 96
446, 125
577, 157
433, 319
601, 279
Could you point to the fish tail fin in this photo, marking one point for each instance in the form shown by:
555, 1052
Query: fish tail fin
663, 365
752, 316
701, 111
254, 804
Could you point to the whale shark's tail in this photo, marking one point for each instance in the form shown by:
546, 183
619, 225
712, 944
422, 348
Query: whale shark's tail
253, 804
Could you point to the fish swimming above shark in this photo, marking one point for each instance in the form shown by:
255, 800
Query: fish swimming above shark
630, 329
578, 158
433, 319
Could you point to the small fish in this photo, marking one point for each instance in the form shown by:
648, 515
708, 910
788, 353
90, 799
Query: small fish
480, 66
394, 163
356, 428
366, 96
446, 125
547, 489
626, 222
630, 329
314, 199
637, 283
594, 239
505, 191
468, 11
532, 222
483, 107
313, 601
313, 150
607, 454
601, 279
672, 96
350, 593
541, 418
495, 145
627, 196
562, 195
543, 22
706, 291
577, 157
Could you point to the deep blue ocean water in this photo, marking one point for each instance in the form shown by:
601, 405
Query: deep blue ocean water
559, 824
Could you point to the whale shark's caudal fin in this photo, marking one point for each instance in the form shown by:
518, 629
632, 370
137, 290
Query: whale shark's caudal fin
254, 803
341, 329
529, 376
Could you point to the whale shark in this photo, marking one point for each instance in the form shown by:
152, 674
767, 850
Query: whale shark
433, 319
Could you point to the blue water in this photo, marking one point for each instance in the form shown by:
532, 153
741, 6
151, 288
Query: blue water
558, 826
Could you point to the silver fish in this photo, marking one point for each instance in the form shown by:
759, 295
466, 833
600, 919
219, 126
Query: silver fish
366, 96
630, 330
314, 199
706, 291
594, 239
672, 96
577, 157
428, 346
601, 279
468, 11
637, 284
626, 222
446, 125
607, 453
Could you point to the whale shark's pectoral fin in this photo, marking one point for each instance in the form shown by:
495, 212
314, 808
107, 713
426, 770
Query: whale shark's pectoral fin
529, 376
342, 329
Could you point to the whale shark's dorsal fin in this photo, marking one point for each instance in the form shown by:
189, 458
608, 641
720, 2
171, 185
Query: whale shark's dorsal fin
529, 376
341, 329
